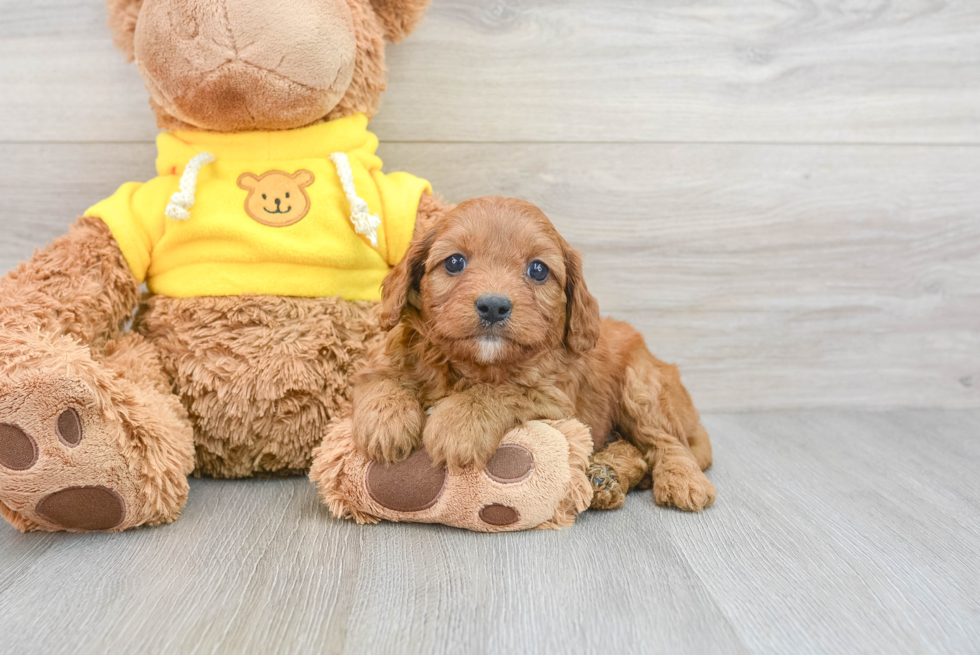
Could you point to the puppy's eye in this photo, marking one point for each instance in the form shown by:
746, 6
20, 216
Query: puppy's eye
538, 271
455, 264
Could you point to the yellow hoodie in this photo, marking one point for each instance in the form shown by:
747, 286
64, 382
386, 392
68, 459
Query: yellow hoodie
268, 213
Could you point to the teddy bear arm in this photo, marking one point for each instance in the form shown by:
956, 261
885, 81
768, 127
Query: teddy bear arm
80, 286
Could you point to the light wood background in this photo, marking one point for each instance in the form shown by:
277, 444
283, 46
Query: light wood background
783, 195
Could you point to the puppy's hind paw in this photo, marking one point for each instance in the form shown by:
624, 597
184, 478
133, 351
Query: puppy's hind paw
608, 492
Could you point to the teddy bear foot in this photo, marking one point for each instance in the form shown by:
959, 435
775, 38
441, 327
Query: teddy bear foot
60, 464
536, 479
69, 462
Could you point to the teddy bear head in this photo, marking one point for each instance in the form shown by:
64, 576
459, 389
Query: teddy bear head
242, 65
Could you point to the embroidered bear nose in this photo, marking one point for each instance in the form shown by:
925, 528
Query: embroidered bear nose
278, 201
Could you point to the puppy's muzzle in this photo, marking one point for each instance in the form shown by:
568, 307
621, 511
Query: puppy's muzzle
493, 308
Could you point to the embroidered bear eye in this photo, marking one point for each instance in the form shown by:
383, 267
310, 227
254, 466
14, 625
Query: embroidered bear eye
263, 196
455, 264
287, 194
538, 271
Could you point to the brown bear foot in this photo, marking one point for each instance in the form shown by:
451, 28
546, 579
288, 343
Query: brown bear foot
536, 479
69, 462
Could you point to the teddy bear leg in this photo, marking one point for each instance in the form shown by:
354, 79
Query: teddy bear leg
89, 445
536, 479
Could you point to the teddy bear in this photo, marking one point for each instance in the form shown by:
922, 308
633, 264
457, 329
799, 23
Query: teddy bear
262, 243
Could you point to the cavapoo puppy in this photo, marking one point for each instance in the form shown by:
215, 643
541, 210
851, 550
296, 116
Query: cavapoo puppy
491, 324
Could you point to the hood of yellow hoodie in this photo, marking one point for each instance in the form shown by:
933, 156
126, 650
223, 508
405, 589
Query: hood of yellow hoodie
346, 134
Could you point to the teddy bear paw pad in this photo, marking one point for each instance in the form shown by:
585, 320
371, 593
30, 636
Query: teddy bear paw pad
411, 485
83, 508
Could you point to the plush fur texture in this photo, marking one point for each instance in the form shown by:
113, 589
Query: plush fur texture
434, 384
79, 286
260, 375
248, 385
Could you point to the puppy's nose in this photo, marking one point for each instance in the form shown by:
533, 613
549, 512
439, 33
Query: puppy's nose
493, 308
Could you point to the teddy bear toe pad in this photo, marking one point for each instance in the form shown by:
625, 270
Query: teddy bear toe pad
499, 515
18, 450
511, 463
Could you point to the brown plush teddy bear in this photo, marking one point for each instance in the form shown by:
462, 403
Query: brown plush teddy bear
263, 243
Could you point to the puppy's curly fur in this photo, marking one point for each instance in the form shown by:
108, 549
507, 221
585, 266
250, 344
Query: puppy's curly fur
454, 378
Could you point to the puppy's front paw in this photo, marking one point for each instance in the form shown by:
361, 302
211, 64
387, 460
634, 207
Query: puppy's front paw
387, 428
683, 486
461, 435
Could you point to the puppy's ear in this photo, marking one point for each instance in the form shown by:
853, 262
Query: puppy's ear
581, 307
401, 287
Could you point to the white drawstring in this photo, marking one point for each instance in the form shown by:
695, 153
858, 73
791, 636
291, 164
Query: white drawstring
180, 203
364, 221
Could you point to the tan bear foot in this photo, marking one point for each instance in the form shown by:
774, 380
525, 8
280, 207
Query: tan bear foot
67, 462
536, 479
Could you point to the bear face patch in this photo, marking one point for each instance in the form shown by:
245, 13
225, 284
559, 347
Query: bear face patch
276, 198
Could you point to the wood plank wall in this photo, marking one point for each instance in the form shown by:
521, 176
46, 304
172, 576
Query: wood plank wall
784, 196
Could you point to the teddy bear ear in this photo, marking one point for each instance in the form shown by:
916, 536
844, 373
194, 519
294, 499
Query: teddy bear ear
122, 21
247, 181
303, 177
399, 17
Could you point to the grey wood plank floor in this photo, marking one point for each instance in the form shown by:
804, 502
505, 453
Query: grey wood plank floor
834, 532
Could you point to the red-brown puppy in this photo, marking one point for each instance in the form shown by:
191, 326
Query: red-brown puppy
491, 324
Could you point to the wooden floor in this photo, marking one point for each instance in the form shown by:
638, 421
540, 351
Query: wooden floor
834, 532
783, 195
